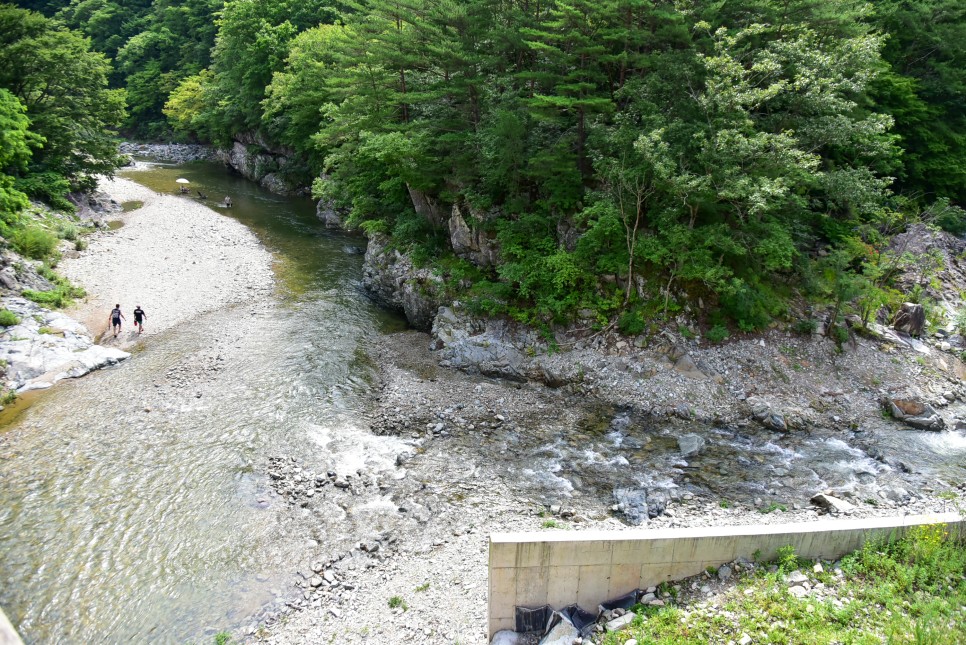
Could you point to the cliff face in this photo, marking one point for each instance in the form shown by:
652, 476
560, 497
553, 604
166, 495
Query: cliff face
258, 160
391, 278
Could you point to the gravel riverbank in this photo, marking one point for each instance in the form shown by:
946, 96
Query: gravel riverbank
173, 256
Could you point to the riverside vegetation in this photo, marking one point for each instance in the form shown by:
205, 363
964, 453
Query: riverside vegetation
629, 159
911, 590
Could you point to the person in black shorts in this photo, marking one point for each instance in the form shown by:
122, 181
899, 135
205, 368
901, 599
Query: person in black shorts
115, 319
139, 318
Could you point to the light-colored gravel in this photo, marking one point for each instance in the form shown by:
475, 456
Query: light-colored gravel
174, 257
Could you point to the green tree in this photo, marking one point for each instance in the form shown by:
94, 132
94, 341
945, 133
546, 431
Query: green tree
16, 144
925, 91
64, 88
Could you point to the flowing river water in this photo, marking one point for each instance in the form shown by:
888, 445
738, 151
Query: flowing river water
119, 524
135, 504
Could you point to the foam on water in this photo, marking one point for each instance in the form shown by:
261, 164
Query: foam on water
949, 443
350, 448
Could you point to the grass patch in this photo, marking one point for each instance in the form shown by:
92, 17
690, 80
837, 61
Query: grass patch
67, 231
774, 506
60, 296
33, 242
8, 318
906, 591
397, 602
423, 587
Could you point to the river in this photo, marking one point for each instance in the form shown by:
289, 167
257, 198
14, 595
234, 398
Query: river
129, 505
135, 503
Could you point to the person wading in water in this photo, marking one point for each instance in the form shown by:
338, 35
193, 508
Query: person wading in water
139, 318
115, 318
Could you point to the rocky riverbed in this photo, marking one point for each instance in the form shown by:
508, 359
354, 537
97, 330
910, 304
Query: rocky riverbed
485, 455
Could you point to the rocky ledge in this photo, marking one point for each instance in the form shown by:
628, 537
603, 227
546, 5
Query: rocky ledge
47, 346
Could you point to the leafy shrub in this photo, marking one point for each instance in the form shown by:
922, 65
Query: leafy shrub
806, 326
631, 322
48, 187
33, 242
8, 318
787, 560
489, 298
374, 227
66, 231
752, 306
948, 217
717, 334
47, 271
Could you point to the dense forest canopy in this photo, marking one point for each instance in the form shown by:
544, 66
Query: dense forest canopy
624, 156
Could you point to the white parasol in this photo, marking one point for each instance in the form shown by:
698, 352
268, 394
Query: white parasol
182, 180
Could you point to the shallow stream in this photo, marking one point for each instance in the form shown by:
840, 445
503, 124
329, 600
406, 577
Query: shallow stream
130, 507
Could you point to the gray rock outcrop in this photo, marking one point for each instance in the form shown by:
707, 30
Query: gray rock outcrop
47, 346
472, 243
258, 160
173, 152
914, 413
17, 274
392, 279
329, 214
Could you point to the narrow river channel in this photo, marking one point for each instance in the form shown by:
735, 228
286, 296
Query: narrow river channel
131, 505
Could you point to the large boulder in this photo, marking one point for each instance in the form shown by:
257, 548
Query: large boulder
910, 319
326, 211
690, 444
638, 504
763, 412
914, 413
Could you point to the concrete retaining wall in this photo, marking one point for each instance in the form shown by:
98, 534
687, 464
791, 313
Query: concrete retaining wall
559, 568
8, 635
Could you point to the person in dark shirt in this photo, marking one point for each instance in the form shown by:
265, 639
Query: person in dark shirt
139, 318
115, 319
